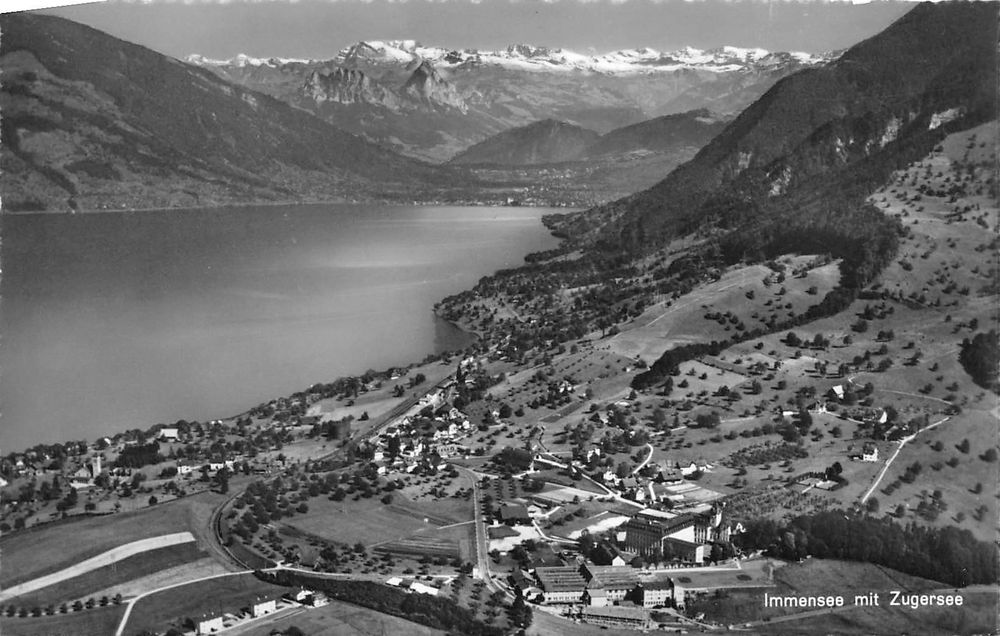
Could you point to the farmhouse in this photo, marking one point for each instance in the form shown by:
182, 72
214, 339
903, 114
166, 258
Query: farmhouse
513, 514
168, 434
869, 453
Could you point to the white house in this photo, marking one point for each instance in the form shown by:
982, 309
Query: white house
168, 434
420, 588
869, 453
263, 607
210, 625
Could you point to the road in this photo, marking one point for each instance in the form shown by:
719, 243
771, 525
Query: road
888, 462
645, 461
482, 544
132, 602
216, 543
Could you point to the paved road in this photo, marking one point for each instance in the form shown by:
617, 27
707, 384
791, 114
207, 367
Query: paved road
482, 544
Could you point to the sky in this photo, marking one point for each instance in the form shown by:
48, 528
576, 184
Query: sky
320, 28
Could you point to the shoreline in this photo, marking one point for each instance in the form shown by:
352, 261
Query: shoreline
291, 203
474, 337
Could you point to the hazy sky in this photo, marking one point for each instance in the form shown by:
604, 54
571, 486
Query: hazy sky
319, 28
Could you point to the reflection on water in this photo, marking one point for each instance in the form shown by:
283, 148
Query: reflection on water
115, 321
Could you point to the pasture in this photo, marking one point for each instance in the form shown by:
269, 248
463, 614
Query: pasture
338, 619
371, 522
214, 597
100, 621
133, 567
740, 293
52, 547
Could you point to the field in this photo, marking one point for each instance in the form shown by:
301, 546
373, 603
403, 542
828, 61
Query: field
151, 580
100, 621
369, 521
213, 597
83, 586
53, 547
952, 472
338, 619
739, 291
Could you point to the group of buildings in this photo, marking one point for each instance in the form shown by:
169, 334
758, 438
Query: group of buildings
599, 586
685, 538
408, 445
259, 608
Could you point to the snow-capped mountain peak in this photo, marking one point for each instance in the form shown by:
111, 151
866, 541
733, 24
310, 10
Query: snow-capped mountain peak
527, 57
242, 60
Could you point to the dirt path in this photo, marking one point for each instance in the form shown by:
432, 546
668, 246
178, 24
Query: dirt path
888, 462
99, 561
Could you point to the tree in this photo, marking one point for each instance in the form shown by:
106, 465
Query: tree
520, 614
990, 455
222, 478
659, 418
872, 505
152, 500
980, 357
708, 420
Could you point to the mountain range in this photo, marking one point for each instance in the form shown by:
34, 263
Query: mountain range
434, 102
90, 121
825, 137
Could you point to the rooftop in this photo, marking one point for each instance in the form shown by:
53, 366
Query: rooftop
560, 579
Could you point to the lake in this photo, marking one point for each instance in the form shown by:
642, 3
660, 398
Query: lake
123, 320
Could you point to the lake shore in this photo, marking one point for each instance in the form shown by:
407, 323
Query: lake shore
339, 256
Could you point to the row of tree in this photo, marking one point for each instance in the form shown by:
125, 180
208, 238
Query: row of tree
950, 555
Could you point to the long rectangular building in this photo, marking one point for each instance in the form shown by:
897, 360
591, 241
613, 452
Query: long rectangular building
562, 584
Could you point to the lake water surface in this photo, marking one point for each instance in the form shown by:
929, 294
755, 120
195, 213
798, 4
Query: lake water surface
123, 320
